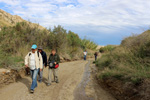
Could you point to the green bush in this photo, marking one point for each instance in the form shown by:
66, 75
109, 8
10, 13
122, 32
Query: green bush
73, 39
107, 48
16, 41
88, 44
130, 61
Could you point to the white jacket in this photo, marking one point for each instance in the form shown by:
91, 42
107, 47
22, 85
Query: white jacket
38, 60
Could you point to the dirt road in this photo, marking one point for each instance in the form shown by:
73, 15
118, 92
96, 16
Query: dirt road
71, 74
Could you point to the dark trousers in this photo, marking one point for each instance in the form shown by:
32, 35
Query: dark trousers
95, 58
84, 57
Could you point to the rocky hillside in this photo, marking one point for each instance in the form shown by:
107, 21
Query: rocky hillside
7, 19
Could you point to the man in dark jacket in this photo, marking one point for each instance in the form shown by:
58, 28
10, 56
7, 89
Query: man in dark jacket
53, 62
44, 56
95, 54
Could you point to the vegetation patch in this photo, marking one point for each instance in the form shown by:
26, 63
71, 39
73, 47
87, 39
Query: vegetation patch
107, 48
16, 41
125, 69
129, 62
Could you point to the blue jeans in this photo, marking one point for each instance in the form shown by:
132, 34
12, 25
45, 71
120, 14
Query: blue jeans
34, 78
84, 57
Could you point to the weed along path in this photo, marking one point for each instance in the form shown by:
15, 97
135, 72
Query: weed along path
75, 84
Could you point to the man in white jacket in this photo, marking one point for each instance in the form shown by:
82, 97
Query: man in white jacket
34, 61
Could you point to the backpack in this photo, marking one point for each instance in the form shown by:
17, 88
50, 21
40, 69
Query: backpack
37, 53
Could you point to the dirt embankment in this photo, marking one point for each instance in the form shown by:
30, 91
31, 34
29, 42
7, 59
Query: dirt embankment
127, 90
8, 76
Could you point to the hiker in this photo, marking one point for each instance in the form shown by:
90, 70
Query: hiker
34, 61
95, 54
44, 57
85, 54
53, 62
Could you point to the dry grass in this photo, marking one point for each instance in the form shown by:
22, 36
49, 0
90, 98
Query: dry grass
3, 23
130, 61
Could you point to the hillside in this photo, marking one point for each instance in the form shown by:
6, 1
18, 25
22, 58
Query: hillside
18, 35
127, 68
7, 19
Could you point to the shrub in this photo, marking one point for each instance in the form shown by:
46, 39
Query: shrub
130, 61
16, 41
107, 48
88, 44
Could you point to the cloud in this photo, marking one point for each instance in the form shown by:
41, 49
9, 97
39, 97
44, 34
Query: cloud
102, 16
86, 12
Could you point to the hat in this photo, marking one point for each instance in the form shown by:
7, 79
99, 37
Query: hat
40, 48
34, 46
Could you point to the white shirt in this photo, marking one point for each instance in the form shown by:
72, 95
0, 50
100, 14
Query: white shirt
85, 53
32, 61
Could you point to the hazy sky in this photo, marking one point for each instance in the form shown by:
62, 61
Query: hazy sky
103, 21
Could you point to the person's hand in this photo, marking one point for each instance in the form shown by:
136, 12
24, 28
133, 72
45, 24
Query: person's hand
55, 63
26, 65
40, 70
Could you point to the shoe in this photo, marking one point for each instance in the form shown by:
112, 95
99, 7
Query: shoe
31, 91
57, 81
48, 84
40, 81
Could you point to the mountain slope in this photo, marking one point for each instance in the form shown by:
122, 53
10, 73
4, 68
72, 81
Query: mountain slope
7, 19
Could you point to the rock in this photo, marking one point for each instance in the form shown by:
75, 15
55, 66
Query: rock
61, 59
10, 76
8, 71
66, 57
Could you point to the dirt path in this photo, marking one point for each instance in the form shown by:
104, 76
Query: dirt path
93, 90
70, 76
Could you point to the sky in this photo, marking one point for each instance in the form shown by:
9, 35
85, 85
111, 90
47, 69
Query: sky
102, 21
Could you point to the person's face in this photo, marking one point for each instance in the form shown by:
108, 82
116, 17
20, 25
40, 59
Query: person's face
53, 52
33, 50
40, 50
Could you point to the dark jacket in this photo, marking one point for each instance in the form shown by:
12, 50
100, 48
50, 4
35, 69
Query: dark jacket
54, 58
44, 56
95, 54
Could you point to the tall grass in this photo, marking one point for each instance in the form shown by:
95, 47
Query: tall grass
130, 61
88, 44
107, 48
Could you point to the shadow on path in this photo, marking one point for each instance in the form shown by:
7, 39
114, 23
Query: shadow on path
45, 80
26, 82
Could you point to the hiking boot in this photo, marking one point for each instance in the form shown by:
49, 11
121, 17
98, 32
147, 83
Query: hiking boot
40, 81
57, 81
48, 84
31, 91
